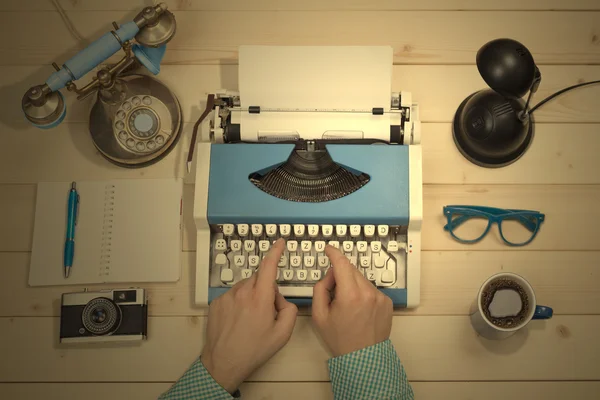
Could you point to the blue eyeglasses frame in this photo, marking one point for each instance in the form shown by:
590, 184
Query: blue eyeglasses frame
494, 216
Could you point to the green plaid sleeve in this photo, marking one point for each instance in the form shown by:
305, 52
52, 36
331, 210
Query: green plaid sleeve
374, 372
196, 384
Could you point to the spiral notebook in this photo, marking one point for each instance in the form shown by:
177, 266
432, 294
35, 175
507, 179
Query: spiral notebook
127, 231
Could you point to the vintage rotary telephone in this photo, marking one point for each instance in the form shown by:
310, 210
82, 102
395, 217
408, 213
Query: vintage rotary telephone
136, 120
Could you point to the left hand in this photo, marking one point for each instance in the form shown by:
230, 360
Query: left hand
247, 325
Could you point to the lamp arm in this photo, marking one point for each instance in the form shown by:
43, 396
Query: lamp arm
524, 115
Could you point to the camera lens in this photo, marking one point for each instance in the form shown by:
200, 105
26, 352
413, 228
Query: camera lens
101, 316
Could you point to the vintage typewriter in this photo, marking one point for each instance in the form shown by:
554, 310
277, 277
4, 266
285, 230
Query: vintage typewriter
315, 149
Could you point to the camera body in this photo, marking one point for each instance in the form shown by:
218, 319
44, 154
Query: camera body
104, 316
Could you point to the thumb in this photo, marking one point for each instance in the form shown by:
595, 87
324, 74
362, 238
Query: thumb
322, 295
286, 317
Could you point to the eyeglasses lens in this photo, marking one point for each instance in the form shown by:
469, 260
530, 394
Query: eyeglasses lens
519, 229
468, 227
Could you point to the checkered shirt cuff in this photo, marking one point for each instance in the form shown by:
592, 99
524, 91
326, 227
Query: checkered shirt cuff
197, 383
374, 372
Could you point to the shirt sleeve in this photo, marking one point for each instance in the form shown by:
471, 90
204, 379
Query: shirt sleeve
374, 372
196, 384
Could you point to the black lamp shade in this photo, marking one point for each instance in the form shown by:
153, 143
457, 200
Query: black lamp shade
507, 67
492, 128
487, 131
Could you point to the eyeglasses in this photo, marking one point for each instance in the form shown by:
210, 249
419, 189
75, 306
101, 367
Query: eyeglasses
469, 224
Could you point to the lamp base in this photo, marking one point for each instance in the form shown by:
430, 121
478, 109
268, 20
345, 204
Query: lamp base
488, 132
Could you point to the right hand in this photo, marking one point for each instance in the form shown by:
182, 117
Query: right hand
348, 311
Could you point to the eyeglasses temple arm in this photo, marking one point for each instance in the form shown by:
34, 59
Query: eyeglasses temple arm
456, 222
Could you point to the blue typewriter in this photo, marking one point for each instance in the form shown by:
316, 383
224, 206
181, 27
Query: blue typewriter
316, 149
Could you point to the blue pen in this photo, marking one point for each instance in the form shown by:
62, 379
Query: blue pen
72, 210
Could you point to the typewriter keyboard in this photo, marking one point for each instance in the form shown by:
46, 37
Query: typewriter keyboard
377, 251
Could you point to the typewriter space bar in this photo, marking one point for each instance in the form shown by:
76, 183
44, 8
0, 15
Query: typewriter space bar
298, 291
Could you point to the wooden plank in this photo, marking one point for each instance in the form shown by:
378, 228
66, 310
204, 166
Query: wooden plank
499, 390
88, 391
191, 84
418, 37
307, 390
189, 235
559, 154
68, 154
571, 212
435, 348
438, 89
569, 282
287, 5
565, 280
164, 299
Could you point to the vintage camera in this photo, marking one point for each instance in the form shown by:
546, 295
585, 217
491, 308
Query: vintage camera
104, 316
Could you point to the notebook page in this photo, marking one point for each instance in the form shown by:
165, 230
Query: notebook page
46, 267
146, 231
120, 236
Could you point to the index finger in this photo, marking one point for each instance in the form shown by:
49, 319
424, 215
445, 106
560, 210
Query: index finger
267, 273
343, 271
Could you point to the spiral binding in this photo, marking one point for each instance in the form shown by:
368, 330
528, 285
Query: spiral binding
107, 230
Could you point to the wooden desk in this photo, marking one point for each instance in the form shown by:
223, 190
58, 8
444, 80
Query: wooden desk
435, 42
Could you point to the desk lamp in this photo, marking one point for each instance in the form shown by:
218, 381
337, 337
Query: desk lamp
493, 128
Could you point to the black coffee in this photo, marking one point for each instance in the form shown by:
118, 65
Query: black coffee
494, 288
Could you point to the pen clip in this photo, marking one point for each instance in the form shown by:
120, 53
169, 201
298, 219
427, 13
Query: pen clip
77, 209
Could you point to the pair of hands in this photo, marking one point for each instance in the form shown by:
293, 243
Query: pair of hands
253, 321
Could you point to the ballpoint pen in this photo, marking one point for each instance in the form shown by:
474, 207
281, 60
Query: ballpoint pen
72, 210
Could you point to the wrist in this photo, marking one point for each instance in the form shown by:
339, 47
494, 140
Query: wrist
224, 376
353, 347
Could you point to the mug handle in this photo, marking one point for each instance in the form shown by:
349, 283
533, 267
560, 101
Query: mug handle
542, 312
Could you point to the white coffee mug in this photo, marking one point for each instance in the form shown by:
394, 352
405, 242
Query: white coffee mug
486, 328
